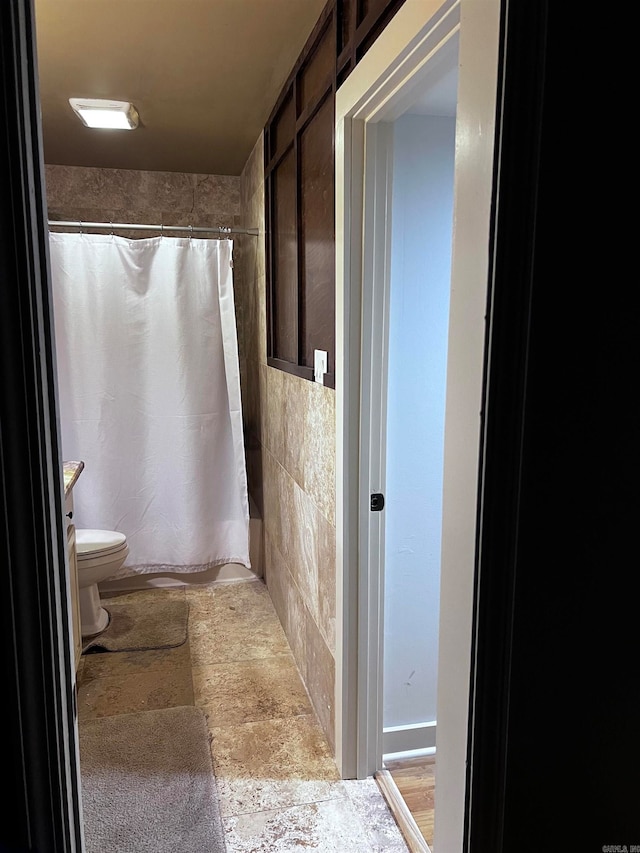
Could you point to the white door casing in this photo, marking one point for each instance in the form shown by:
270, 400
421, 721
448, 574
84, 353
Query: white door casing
402, 61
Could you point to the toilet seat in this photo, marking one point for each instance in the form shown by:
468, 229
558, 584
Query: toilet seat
96, 544
90, 561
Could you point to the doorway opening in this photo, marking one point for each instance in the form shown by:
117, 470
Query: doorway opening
404, 380
413, 216
411, 442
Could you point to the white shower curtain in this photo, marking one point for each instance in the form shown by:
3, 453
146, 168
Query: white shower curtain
149, 396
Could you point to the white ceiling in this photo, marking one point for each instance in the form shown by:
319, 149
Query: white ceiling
203, 74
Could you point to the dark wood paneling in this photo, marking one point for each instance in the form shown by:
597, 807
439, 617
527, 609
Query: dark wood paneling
367, 20
326, 14
283, 127
364, 7
317, 70
343, 71
378, 16
299, 185
346, 23
317, 235
288, 367
285, 261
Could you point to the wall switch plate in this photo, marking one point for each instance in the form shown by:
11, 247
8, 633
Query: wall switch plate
320, 358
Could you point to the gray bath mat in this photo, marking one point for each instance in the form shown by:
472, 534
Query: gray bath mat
138, 625
147, 784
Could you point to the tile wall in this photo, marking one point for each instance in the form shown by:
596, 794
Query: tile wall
289, 422
138, 197
290, 439
128, 195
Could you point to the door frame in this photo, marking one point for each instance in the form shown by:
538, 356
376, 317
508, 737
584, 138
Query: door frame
43, 809
401, 61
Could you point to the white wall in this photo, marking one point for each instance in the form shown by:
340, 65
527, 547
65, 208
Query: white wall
422, 218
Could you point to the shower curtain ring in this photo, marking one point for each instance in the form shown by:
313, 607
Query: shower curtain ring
111, 224
190, 231
80, 223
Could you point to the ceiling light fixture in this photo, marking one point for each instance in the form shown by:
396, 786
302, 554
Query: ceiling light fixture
115, 115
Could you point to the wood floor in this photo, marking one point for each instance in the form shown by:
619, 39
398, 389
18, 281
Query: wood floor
415, 778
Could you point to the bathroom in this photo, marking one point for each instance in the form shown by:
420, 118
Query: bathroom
288, 421
539, 355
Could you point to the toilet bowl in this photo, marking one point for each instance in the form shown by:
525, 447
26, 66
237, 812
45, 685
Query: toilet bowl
100, 554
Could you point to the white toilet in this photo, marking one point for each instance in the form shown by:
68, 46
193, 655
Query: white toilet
100, 554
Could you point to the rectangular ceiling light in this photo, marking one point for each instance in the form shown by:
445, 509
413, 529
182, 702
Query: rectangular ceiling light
116, 115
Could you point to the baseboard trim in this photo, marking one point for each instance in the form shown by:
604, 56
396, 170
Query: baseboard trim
408, 753
403, 817
409, 738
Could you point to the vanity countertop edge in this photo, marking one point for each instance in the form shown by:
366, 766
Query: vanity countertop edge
71, 471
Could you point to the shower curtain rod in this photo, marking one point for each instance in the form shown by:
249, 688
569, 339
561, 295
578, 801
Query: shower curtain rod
127, 226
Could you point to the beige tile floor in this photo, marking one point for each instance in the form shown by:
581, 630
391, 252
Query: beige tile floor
279, 787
